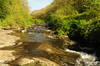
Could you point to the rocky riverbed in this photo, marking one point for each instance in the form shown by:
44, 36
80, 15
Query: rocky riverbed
5, 41
37, 46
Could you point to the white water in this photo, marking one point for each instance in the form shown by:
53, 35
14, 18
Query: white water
86, 59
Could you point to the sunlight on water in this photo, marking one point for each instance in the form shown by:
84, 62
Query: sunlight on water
86, 59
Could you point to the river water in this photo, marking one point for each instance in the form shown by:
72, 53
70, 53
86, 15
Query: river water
36, 42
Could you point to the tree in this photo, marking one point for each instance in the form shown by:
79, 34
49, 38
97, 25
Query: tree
15, 12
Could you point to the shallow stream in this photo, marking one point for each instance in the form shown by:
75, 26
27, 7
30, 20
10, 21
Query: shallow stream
37, 43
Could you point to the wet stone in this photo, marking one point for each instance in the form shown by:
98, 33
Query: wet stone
6, 56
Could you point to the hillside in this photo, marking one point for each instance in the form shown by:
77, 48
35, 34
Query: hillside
79, 19
61, 6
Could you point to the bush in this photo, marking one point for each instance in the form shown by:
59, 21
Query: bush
38, 21
79, 19
14, 13
92, 34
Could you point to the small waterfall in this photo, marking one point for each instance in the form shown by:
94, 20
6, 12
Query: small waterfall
86, 59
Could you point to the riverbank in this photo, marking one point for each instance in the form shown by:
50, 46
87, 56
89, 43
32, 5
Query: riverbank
5, 41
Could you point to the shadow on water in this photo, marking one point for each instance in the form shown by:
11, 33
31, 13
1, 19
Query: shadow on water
37, 45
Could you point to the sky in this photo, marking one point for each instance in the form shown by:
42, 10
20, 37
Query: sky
38, 4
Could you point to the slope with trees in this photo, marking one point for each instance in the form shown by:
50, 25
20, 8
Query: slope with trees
79, 19
14, 13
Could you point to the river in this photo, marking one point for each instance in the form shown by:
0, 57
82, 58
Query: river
38, 41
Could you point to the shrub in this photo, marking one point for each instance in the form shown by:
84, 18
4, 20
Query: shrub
38, 21
92, 34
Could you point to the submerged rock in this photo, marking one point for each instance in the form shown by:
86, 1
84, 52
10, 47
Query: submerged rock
39, 61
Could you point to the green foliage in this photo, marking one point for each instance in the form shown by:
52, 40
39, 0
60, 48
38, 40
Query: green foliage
14, 13
38, 21
3, 9
79, 19
92, 33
